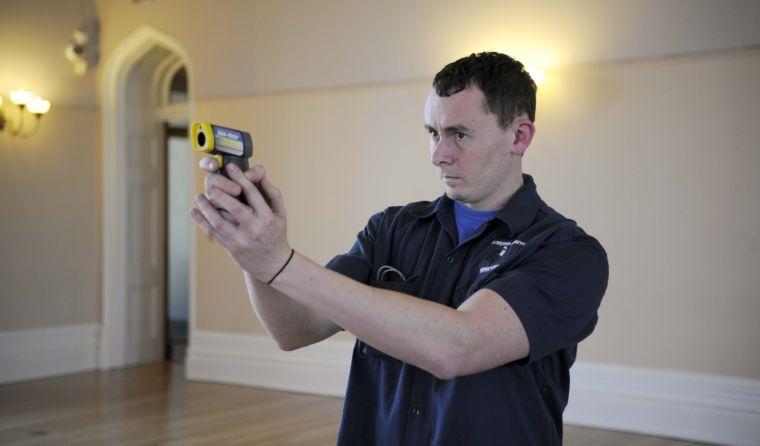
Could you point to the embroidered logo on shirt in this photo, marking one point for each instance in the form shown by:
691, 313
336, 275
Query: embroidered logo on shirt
495, 258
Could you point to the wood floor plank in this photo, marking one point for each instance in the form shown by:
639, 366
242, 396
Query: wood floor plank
155, 405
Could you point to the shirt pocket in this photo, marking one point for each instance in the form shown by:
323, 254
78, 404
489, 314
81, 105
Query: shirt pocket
409, 288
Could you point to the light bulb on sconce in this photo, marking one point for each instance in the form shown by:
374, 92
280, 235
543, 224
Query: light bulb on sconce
38, 106
27, 102
21, 97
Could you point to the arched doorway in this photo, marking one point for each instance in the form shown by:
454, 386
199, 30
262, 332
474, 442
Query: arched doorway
138, 108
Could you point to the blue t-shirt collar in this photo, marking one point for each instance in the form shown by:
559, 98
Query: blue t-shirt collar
517, 214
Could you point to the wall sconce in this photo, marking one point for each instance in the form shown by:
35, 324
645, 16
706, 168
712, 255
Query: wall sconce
26, 102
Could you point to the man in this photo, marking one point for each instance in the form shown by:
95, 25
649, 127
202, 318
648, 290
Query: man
468, 309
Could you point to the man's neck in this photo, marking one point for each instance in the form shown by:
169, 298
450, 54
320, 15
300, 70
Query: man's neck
499, 200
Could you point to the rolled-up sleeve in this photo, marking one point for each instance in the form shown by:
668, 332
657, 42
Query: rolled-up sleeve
556, 293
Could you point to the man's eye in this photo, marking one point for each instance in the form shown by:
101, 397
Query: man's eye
433, 134
460, 136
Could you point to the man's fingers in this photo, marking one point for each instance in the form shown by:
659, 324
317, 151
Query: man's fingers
239, 212
206, 227
202, 222
275, 197
214, 179
223, 183
255, 173
252, 194
225, 229
208, 164
229, 217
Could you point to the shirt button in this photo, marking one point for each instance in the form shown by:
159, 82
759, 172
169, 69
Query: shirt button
416, 411
450, 259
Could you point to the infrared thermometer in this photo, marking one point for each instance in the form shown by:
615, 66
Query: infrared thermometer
224, 144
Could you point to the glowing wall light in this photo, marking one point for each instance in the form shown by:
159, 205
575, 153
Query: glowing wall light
27, 102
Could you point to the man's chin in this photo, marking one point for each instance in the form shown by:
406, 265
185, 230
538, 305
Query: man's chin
455, 194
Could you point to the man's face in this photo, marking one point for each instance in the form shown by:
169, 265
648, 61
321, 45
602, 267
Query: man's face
469, 149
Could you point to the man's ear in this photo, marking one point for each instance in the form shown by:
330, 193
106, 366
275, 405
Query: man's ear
524, 131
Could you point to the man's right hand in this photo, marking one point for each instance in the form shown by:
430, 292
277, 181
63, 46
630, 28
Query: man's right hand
254, 234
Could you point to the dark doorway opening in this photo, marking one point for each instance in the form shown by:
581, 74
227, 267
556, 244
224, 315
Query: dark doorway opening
177, 189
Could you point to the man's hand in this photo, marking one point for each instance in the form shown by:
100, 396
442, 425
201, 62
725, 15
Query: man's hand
256, 236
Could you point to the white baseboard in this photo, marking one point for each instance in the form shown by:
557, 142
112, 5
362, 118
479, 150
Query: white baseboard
255, 360
46, 352
683, 405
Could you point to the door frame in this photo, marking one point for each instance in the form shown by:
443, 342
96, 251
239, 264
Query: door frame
169, 132
112, 345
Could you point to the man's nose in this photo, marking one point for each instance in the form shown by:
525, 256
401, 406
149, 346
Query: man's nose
442, 153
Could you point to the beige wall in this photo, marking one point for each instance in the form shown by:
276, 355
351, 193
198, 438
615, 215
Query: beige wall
656, 159
653, 156
50, 195
50, 183
659, 160
243, 46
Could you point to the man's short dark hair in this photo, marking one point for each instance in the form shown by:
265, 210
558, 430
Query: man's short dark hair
507, 86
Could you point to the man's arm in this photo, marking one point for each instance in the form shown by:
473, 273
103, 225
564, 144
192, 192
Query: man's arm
292, 325
482, 333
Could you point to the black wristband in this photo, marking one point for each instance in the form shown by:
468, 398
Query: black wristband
292, 251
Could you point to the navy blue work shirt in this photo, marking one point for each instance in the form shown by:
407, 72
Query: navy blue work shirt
554, 283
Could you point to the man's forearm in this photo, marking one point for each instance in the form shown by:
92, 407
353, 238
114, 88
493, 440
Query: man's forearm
291, 324
423, 333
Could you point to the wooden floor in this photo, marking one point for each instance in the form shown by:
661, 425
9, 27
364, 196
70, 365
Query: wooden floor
154, 405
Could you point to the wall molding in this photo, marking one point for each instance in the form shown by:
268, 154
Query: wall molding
114, 309
255, 360
692, 406
46, 352
684, 405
